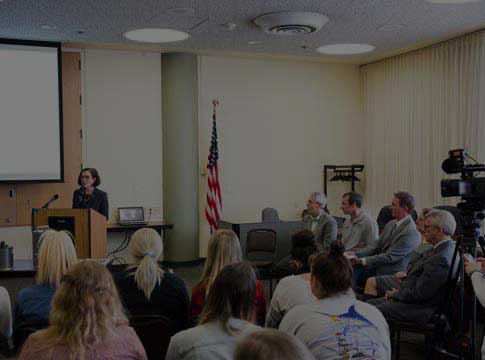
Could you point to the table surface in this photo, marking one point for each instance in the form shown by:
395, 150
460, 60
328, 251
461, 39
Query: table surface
21, 268
154, 225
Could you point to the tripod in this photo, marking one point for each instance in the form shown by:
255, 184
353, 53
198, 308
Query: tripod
456, 282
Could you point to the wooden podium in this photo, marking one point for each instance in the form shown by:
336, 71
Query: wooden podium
87, 225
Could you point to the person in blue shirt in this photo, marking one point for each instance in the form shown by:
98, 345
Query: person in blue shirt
56, 256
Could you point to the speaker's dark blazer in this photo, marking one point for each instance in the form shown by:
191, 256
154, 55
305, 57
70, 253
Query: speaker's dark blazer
98, 201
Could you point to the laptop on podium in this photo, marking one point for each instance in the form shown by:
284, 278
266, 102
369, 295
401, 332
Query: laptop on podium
132, 216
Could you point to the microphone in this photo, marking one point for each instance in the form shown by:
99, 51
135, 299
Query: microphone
51, 200
82, 195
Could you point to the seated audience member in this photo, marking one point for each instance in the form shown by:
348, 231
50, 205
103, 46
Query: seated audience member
56, 256
385, 215
226, 317
323, 225
293, 290
390, 254
86, 320
269, 215
5, 313
271, 344
421, 289
5, 321
223, 249
360, 231
146, 289
302, 246
388, 282
475, 271
337, 325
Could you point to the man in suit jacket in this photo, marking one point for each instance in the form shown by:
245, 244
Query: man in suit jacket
391, 252
420, 291
323, 225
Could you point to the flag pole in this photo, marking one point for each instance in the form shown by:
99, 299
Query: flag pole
215, 104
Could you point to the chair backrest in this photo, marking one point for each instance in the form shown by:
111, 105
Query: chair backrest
154, 332
269, 215
23, 330
260, 242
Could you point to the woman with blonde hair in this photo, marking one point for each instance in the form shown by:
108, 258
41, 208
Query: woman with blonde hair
146, 289
223, 249
56, 256
86, 320
226, 317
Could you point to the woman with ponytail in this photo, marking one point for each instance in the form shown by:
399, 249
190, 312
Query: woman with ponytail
148, 290
337, 325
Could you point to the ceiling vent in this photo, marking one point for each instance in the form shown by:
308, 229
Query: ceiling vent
291, 23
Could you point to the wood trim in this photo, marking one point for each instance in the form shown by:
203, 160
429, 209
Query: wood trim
28, 196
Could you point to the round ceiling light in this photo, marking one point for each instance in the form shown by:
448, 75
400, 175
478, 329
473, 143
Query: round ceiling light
452, 1
156, 35
345, 49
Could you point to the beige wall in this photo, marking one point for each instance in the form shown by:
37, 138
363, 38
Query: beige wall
278, 122
123, 127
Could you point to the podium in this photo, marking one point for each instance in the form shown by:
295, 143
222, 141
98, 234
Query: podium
86, 225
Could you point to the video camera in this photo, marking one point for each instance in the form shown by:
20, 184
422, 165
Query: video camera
470, 188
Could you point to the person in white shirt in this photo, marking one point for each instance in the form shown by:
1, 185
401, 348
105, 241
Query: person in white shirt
294, 289
337, 325
474, 270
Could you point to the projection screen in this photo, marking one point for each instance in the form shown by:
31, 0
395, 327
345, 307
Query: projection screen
30, 112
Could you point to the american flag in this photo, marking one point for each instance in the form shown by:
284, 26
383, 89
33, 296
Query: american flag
213, 208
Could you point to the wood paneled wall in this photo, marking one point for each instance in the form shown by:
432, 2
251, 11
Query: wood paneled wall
17, 201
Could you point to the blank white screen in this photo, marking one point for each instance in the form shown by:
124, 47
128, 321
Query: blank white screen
29, 114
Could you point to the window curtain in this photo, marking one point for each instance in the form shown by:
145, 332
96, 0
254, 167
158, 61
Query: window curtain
417, 107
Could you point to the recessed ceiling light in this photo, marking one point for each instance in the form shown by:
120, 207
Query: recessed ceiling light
390, 27
180, 11
47, 27
254, 42
452, 1
345, 49
156, 35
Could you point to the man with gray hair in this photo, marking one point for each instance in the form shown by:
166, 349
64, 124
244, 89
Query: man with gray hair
324, 226
419, 292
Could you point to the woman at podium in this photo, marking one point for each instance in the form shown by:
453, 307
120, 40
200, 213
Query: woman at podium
88, 196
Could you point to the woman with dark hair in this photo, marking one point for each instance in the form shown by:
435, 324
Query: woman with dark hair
227, 316
337, 325
294, 290
88, 196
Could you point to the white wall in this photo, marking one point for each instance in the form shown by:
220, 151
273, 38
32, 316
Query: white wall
122, 131
278, 122
123, 127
